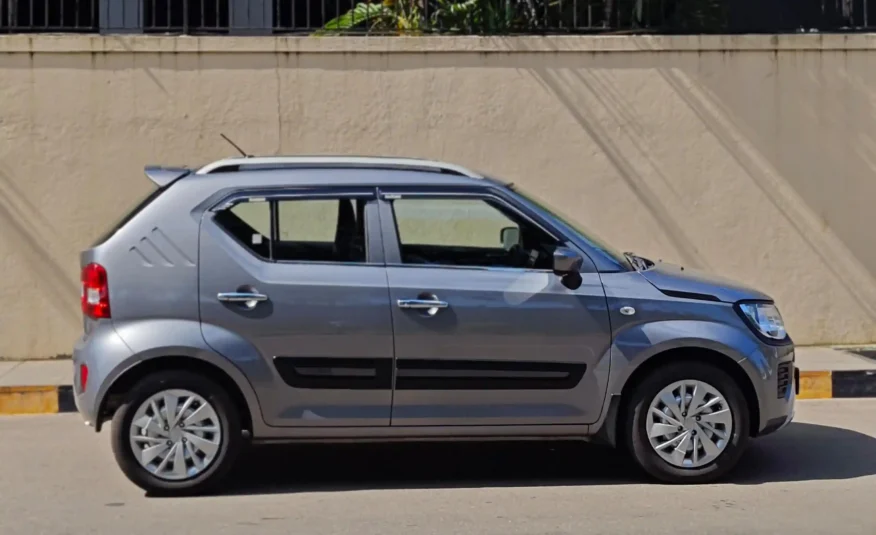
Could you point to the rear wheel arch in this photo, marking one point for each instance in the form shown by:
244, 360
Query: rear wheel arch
681, 354
130, 377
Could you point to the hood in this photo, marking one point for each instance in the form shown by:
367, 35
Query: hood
678, 279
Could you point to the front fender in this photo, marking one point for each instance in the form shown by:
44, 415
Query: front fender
149, 339
636, 344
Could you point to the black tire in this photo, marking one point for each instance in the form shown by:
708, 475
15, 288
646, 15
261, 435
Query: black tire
637, 436
231, 439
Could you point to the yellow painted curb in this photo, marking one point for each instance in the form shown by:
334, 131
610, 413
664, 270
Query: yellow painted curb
816, 385
28, 399
54, 399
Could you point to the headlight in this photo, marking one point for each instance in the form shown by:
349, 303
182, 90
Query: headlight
765, 319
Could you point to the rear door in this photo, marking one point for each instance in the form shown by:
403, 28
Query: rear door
299, 276
485, 332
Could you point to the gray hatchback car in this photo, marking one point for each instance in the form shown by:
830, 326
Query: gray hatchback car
352, 298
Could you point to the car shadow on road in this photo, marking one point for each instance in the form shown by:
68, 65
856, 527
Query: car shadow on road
800, 452
807, 452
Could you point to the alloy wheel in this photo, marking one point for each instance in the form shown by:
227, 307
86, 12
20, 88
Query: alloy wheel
175, 434
689, 424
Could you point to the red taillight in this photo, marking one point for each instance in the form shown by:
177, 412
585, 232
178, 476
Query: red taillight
83, 377
95, 292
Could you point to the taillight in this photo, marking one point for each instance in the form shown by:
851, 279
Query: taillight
95, 292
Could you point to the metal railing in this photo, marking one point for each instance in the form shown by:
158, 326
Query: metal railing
48, 16
176, 16
489, 17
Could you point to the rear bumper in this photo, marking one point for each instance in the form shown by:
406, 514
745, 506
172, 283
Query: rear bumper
100, 350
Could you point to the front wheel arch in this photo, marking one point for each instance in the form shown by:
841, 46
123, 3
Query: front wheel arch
681, 354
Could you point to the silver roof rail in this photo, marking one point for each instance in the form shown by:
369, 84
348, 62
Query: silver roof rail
287, 162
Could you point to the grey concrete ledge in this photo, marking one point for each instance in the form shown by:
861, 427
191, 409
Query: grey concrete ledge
103, 44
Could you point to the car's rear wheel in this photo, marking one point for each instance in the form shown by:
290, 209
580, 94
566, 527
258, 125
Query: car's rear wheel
687, 422
176, 433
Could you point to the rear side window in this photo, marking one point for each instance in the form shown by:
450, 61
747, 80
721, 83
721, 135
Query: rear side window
300, 230
250, 224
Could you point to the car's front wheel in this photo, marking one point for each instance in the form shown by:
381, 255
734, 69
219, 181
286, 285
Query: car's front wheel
176, 433
688, 422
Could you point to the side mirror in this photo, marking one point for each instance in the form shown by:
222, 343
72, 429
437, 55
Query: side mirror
510, 236
567, 261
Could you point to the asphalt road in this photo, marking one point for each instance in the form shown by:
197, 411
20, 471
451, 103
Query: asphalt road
816, 476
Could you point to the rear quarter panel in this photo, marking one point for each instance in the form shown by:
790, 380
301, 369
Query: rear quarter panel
151, 262
151, 265
149, 339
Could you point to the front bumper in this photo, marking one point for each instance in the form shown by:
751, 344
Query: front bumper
777, 386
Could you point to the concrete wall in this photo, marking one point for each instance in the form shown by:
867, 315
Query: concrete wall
754, 157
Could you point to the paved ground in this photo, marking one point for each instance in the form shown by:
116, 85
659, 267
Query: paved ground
816, 476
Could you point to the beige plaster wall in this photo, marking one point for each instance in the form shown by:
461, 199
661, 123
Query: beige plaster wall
751, 156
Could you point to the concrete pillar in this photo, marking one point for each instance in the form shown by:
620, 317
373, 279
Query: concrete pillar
251, 17
121, 16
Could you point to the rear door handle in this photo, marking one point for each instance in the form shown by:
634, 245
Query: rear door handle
247, 299
429, 306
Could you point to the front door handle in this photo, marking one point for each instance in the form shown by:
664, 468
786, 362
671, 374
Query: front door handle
247, 299
429, 306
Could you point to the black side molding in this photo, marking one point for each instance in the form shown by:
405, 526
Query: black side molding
427, 374
441, 374
335, 373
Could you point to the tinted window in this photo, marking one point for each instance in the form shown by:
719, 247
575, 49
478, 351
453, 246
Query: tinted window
308, 220
469, 232
321, 230
314, 230
250, 224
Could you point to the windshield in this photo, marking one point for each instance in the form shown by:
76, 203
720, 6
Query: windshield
591, 238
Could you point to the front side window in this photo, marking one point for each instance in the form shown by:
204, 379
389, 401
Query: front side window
301, 230
469, 232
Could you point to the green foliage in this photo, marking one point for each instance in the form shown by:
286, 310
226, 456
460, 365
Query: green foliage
475, 16
529, 16
389, 16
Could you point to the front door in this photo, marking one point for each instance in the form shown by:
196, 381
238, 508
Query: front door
485, 332
293, 279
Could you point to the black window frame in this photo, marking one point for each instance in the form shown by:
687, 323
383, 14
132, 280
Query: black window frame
392, 240
374, 254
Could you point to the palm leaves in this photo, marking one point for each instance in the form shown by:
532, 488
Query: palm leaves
526, 16
389, 16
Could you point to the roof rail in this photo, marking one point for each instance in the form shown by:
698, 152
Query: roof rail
231, 165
